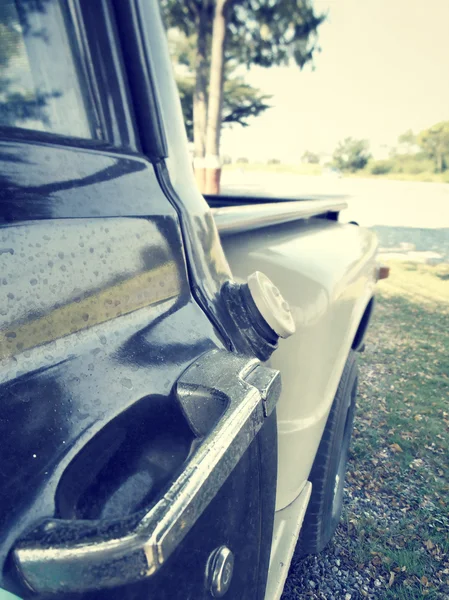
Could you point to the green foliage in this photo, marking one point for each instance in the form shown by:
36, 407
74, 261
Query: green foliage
408, 140
351, 155
412, 164
429, 163
408, 164
380, 167
435, 143
426, 157
311, 158
270, 33
183, 15
182, 48
260, 32
241, 101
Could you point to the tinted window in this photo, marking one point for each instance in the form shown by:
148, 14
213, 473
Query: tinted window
41, 81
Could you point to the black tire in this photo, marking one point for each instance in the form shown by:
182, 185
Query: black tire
329, 468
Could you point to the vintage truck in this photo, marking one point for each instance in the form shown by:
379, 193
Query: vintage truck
147, 446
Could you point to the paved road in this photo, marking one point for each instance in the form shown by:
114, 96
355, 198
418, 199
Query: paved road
400, 212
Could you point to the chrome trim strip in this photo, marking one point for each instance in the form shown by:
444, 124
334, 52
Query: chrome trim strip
236, 219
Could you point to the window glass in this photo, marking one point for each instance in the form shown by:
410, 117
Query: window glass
41, 84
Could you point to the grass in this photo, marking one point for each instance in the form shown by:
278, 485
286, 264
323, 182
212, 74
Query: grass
400, 451
426, 176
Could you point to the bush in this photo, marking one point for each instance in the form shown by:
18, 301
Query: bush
418, 166
413, 165
380, 167
311, 158
242, 161
351, 155
273, 161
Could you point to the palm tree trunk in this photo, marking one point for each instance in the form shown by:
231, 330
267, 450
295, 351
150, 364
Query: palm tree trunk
217, 62
200, 96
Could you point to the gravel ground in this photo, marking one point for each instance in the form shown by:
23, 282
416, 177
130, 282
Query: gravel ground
334, 574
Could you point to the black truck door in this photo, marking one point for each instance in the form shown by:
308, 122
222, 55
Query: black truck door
137, 451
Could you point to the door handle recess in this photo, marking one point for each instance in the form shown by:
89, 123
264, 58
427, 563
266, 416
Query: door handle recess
225, 398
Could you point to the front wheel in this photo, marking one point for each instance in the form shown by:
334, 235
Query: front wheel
329, 468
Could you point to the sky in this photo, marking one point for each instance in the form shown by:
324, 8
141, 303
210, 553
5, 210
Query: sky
383, 69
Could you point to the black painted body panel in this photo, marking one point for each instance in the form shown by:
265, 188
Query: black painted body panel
110, 282
97, 322
43, 180
96, 314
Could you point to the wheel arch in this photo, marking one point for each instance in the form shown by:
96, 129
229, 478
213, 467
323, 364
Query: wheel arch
362, 328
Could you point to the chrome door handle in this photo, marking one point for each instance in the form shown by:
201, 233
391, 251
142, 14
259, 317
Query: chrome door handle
225, 398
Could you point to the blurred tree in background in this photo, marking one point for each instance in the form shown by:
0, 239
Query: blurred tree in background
311, 158
240, 101
226, 34
421, 155
408, 141
435, 143
351, 155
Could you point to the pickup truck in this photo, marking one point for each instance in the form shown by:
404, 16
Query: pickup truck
148, 447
